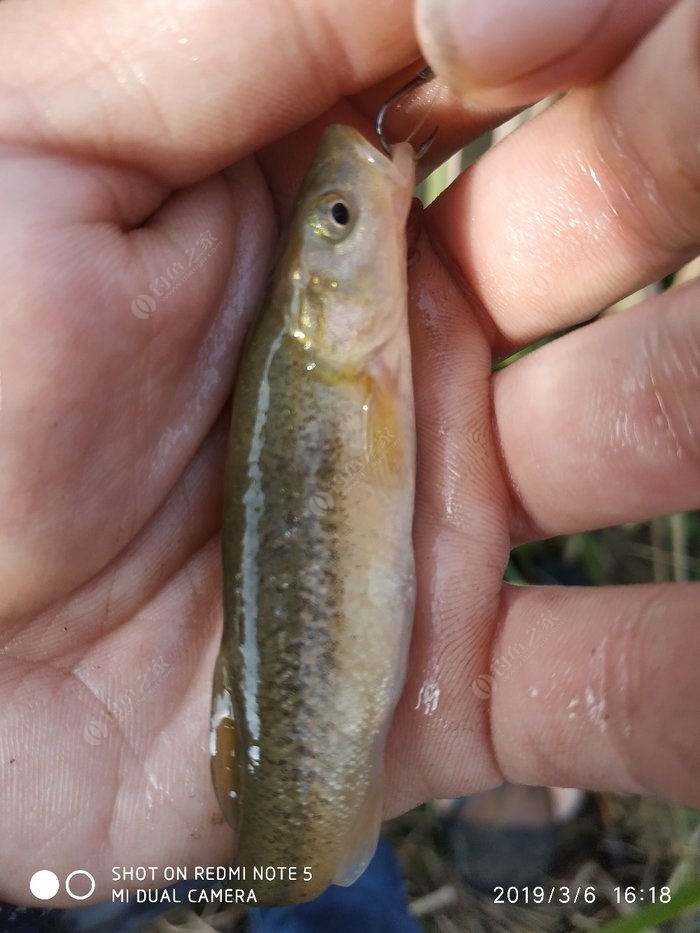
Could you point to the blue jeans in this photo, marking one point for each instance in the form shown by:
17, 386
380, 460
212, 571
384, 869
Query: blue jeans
375, 903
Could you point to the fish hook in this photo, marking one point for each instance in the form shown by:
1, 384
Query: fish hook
426, 74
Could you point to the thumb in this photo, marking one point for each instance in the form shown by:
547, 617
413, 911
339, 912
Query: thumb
511, 52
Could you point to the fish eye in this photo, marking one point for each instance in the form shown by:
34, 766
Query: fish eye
340, 213
332, 217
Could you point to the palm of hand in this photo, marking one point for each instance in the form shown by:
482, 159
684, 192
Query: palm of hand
111, 479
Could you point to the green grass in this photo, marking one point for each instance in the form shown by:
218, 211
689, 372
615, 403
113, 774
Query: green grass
682, 901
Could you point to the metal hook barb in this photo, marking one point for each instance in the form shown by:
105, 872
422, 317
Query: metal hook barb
426, 74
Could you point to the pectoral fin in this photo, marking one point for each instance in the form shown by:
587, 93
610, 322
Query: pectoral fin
224, 766
382, 443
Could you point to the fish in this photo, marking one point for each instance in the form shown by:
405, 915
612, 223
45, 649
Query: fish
318, 565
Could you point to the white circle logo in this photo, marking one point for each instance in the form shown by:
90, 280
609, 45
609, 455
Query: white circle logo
95, 732
484, 686
540, 284
143, 306
321, 503
91, 879
44, 884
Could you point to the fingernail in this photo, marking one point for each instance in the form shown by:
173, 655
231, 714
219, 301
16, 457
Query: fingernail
474, 44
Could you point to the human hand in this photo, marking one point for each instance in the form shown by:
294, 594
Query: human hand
110, 464
136, 146
595, 198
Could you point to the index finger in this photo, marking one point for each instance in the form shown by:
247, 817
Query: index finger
593, 199
183, 89
510, 53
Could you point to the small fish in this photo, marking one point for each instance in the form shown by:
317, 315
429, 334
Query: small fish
317, 553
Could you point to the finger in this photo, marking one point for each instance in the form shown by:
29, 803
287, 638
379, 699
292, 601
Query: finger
595, 198
460, 538
592, 688
688, 273
612, 430
509, 52
598, 688
182, 94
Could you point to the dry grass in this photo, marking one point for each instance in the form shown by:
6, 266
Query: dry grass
616, 841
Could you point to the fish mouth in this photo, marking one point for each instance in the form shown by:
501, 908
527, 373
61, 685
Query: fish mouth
399, 169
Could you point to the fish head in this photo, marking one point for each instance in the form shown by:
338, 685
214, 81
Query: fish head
347, 249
